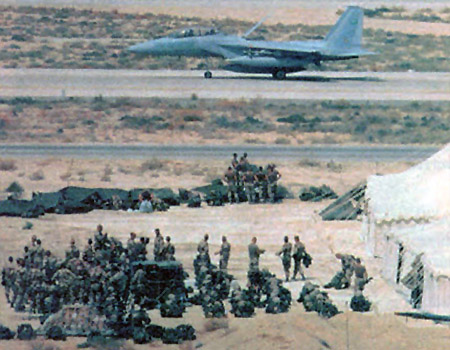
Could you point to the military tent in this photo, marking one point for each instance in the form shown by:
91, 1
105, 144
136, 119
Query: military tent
420, 194
427, 244
407, 223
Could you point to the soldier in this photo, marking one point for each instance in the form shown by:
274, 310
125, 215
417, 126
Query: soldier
73, 252
141, 250
38, 254
131, 247
249, 185
254, 252
88, 253
234, 161
203, 250
298, 254
224, 252
169, 250
231, 180
261, 184
243, 165
100, 239
347, 262
138, 287
27, 257
145, 202
50, 266
21, 286
361, 278
158, 246
31, 250
285, 253
8, 278
273, 176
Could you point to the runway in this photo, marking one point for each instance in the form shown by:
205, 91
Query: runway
185, 152
184, 84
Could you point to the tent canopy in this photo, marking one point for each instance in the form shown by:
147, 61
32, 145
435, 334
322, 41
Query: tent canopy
430, 239
422, 191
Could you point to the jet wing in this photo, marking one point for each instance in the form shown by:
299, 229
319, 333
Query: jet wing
294, 49
275, 48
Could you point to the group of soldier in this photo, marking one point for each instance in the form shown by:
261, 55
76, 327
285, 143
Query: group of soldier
351, 266
257, 184
99, 275
102, 274
297, 252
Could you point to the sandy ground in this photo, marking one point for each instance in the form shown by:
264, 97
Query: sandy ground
377, 330
183, 84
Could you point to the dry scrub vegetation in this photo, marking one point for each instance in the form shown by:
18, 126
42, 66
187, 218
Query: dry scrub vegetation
198, 121
33, 37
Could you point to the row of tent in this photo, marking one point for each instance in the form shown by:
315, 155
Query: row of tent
74, 200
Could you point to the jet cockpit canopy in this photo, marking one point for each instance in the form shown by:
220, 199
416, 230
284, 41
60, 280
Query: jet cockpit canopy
193, 32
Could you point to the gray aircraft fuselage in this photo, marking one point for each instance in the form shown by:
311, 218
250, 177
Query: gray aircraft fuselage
259, 56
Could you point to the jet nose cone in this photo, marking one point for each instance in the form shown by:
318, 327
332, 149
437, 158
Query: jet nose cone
138, 48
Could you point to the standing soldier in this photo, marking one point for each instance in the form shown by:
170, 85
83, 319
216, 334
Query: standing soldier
261, 184
140, 249
88, 253
231, 180
99, 238
8, 278
361, 277
169, 250
50, 266
298, 254
249, 185
234, 161
285, 252
131, 247
203, 250
273, 176
254, 252
39, 253
224, 252
158, 246
73, 252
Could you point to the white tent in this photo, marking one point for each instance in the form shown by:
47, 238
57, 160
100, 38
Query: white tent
430, 241
420, 194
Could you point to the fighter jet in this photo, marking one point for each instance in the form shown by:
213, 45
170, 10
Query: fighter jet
343, 42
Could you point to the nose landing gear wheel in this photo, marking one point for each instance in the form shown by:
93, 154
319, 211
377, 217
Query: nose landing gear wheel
207, 75
279, 74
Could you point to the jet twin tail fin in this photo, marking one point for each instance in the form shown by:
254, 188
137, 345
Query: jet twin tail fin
346, 34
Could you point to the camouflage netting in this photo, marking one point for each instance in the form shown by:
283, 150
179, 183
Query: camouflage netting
360, 304
75, 320
216, 194
213, 287
75, 200
6, 333
314, 299
316, 194
348, 206
25, 332
265, 291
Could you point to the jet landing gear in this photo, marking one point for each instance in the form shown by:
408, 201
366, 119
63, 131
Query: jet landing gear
279, 74
207, 75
